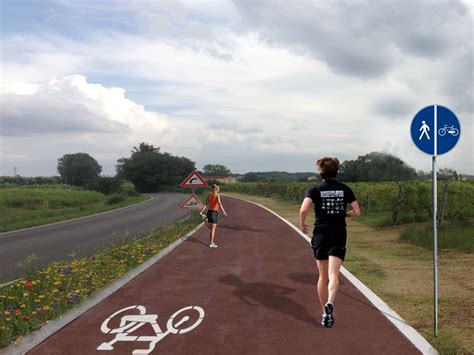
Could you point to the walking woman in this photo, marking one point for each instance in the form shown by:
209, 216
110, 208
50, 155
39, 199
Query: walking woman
213, 203
329, 240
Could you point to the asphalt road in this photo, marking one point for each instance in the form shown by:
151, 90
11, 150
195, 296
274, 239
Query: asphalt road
254, 294
85, 236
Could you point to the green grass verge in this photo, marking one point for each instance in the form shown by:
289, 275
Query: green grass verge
30, 215
457, 235
30, 303
451, 235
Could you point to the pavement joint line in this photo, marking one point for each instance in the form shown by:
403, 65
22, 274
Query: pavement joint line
30, 341
185, 218
408, 331
75, 219
10, 282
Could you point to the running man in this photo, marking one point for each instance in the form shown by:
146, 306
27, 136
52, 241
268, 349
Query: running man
329, 240
213, 202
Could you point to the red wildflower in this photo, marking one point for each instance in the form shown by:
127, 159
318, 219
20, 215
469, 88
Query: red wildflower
26, 318
28, 284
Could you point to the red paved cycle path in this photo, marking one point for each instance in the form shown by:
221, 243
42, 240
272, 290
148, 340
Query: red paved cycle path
257, 291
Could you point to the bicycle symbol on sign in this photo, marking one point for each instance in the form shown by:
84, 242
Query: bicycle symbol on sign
446, 129
132, 322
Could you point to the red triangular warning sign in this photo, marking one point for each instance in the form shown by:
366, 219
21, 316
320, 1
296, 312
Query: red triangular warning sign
194, 180
191, 202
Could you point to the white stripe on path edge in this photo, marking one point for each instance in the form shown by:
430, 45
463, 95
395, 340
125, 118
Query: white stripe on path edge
416, 339
30, 341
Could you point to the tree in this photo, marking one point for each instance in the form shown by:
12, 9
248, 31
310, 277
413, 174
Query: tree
78, 169
376, 166
150, 170
145, 148
250, 177
447, 174
216, 170
106, 184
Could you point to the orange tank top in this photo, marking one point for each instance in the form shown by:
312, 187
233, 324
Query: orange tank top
213, 202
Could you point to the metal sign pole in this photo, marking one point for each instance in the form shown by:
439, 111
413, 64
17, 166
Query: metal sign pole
427, 120
435, 226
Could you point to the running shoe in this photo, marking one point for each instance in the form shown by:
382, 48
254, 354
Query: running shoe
329, 321
323, 319
212, 245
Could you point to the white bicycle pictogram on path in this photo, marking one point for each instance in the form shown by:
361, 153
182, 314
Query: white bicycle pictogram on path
132, 322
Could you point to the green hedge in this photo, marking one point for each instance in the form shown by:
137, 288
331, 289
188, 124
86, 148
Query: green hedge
406, 201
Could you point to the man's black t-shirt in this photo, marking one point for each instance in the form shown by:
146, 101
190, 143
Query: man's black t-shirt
330, 199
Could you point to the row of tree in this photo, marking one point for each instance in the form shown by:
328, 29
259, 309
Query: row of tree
147, 168
372, 167
377, 166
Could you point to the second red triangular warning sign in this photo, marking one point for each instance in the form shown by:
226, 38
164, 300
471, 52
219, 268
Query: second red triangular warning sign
191, 202
194, 180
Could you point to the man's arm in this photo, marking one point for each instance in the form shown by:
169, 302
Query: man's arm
304, 213
355, 210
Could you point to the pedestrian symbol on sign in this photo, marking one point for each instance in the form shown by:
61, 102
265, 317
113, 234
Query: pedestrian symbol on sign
424, 130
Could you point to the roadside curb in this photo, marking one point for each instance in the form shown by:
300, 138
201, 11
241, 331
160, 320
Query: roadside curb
76, 219
408, 331
30, 341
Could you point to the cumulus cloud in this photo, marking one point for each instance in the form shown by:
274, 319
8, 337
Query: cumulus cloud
40, 113
71, 104
75, 114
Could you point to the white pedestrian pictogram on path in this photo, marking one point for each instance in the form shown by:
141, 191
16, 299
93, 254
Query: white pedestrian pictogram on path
424, 128
132, 322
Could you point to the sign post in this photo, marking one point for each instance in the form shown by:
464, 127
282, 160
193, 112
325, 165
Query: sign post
432, 140
194, 179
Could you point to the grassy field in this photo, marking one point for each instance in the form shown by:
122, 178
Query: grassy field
28, 206
401, 274
30, 303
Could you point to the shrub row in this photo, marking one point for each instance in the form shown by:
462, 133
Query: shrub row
406, 201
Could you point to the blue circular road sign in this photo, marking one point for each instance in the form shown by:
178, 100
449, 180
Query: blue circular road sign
448, 129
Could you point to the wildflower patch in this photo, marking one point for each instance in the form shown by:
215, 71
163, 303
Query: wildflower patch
30, 303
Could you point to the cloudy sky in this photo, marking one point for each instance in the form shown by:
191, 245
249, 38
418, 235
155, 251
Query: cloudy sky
254, 85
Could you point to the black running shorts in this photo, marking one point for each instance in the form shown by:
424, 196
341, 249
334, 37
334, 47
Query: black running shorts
212, 216
329, 240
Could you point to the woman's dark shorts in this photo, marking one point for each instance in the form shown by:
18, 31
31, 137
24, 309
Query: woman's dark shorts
329, 240
212, 216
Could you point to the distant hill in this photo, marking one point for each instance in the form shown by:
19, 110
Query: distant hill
274, 176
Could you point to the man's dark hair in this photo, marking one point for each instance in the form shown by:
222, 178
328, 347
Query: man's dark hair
328, 167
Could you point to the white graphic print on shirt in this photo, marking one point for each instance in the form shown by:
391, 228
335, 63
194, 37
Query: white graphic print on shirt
332, 201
